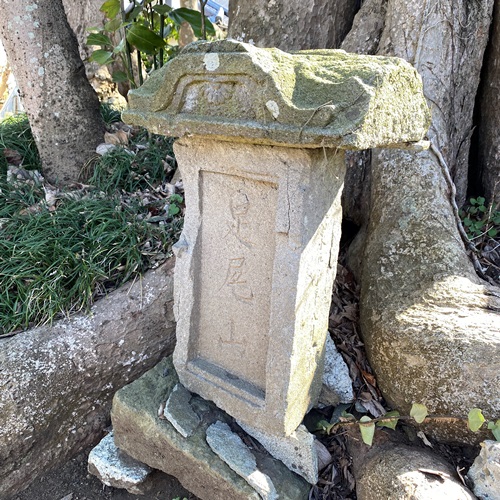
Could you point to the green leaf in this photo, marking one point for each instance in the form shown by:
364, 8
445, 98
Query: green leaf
494, 427
173, 209
98, 39
114, 25
110, 8
120, 47
119, 76
193, 17
480, 200
101, 56
475, 419
143, 39
134, 13
473, 210
419, 412
162, 9
492, 232
347, 417
176, 198
392, 422
367, 428
473, 201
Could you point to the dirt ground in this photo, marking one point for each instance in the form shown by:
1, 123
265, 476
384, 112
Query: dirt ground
73, 482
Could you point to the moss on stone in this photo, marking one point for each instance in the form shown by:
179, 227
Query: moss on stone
308, 98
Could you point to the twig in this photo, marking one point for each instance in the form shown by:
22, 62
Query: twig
469, 245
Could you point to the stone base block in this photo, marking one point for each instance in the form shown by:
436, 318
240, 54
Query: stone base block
142, 432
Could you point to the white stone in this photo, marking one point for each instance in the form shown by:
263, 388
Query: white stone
231, 449
485, 471
337, 383
297, 451
115, 468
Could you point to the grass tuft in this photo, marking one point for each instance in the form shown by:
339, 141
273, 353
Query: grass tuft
58, 258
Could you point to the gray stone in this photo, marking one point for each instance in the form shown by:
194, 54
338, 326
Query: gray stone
230, 448
253, 279
404, 473
485, 471
179, 413
140, 433
115, 468
337, 383
297, 451
315, 98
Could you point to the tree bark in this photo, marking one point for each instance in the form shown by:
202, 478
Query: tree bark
489, 123
291, 24
62, 107
57, 382
186, 33
81, 15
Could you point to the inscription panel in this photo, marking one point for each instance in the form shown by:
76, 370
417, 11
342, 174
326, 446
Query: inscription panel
234, 284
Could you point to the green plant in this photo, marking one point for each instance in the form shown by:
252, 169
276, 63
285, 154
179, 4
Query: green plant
16, 139
58, 259
174, 204
480, 220
149, 27
110, 114
418, 413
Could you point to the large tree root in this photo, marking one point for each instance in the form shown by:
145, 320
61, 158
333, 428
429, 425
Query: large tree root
57, 382
431, 326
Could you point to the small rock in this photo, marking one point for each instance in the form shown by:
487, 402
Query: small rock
179, 413
115, 468
230, 448
103, 148
297, 451
337, 383
485, 471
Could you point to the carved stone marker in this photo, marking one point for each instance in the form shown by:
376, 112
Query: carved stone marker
261, 156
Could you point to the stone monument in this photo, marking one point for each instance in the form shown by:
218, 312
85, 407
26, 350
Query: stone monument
262, 135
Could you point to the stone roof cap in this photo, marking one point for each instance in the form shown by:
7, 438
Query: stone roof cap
315, 98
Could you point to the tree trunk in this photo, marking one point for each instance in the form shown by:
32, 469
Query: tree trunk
62, 107
81, 15
291, 24
489, 123
186, 33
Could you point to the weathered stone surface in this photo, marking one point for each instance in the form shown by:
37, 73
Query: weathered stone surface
57, 382
485, 471
406, 473
230, 448
115, 468
337, 383
253, 278
141, 434
179, 413
297, 451
321, 98
431, 327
